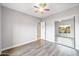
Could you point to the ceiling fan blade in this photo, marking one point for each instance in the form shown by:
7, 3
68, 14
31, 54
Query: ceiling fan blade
36, 7
36, 11
47, 9
43, 5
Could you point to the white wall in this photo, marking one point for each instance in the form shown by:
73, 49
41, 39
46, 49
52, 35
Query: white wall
50, 22
17, 28
50, 30
0, 28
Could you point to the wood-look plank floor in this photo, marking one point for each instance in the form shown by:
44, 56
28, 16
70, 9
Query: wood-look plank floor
48, 49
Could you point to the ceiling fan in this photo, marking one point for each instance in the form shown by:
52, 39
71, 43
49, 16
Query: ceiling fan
41, 8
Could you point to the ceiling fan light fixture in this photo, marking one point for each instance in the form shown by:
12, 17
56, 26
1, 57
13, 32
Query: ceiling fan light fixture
41, 8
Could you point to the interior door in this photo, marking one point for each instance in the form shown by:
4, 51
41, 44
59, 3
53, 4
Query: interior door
41, 33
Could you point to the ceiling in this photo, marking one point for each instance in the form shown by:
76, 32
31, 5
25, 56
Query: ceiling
29, 9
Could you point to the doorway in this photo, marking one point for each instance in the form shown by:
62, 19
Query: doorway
65, 32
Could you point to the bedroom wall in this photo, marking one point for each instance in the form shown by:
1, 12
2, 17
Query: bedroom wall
50, 23
17, 28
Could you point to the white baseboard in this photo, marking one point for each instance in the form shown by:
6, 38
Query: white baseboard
17, 45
